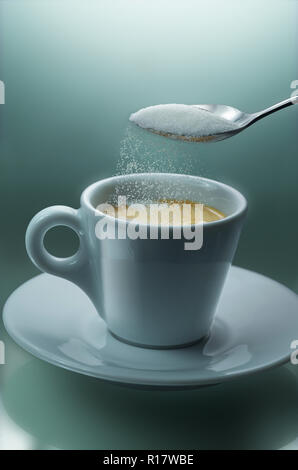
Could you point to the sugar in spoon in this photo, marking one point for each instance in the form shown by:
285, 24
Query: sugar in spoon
202, 122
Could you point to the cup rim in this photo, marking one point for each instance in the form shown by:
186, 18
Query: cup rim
91, 189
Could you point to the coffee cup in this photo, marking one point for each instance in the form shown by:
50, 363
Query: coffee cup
151, 292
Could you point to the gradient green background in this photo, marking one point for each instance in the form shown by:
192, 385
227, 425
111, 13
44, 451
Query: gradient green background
74, 71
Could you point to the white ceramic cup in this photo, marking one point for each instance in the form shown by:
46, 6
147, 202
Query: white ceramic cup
150, 292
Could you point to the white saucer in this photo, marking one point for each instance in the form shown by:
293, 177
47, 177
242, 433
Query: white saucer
256, 321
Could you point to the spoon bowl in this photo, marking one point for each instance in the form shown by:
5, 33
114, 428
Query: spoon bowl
230, 114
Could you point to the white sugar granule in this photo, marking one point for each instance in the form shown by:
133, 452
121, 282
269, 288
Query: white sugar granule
141, 153
146, 153
181, 120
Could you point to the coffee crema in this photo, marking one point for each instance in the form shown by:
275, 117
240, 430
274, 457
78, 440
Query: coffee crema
164, 212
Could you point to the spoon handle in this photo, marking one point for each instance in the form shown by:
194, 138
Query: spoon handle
274, 108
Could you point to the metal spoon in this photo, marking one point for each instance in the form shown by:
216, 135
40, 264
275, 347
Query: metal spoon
243, 120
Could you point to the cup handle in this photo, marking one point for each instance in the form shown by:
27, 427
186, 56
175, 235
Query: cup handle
75, 268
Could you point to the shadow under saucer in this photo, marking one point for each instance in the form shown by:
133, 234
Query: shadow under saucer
69, 411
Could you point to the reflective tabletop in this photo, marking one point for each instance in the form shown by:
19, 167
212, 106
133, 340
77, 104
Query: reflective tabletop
72, 77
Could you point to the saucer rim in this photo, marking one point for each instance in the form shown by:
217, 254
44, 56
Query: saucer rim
166, 384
